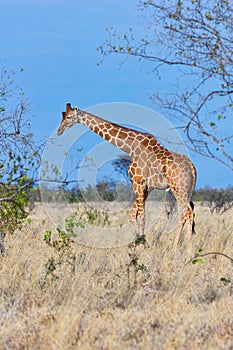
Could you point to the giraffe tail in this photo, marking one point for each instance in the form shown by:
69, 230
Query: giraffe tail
193, 225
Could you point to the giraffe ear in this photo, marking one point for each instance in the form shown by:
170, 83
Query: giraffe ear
63, 115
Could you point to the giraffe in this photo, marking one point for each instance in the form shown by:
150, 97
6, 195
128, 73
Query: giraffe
152, 166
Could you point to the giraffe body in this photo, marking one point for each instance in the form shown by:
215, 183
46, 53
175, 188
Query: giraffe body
152, 166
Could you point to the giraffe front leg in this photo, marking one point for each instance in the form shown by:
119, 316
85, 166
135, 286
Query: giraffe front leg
137, 217
141, 219
141, 237
133, 213
139, 222
140, 190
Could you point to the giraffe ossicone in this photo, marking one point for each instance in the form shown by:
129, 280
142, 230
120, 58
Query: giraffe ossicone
152, 166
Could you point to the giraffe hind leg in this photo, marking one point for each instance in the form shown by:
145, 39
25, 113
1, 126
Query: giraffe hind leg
190, 220
178, 232
185, 216
193, 222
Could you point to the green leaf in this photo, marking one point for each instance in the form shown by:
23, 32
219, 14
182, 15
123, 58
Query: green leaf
219, 117
198, 261
47, 236
212, 124
198, 252
208, 16
171, 15
225, 280
141, 267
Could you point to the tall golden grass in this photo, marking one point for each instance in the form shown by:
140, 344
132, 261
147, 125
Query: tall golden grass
114, 298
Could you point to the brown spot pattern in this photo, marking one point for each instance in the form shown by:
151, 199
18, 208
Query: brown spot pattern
152, 166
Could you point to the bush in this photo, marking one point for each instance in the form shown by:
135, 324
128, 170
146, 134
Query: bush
218, 200
19, 158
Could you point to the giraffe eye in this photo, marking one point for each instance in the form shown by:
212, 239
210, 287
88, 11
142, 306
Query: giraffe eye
69, 116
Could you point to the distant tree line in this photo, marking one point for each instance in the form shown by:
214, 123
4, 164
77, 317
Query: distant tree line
217, 200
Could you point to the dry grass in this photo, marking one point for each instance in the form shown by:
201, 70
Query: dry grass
98, 299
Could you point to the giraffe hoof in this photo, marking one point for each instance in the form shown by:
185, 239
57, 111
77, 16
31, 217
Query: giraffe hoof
140, 240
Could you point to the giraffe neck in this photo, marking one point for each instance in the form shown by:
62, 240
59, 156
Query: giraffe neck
117, 135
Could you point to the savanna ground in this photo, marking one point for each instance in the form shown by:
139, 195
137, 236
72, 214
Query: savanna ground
56, 296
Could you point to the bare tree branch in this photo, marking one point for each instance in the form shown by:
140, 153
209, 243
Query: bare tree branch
194, 38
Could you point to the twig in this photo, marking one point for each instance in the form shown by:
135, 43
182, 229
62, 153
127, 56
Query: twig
210, 253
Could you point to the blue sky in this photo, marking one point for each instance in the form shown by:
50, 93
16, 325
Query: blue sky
55, 42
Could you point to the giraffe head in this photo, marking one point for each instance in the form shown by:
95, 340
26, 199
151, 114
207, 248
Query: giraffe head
69, 118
